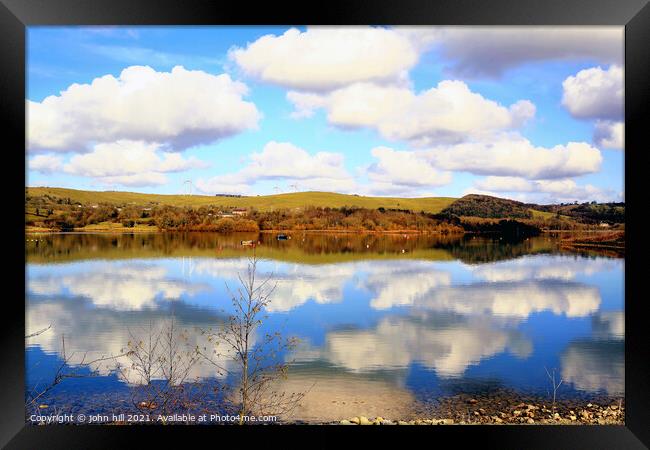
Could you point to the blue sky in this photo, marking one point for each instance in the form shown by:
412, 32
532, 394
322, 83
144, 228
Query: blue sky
534, 114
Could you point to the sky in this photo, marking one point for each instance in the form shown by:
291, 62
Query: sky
529, 113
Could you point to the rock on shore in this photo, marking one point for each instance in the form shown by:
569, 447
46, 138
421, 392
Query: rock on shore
472, 411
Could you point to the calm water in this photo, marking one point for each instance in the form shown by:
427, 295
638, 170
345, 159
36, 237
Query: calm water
382, 320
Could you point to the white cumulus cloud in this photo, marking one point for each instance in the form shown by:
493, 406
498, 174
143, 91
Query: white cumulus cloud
131, 163
392, 172
181, 108
518, 157
323, 58
281, 161
447, 113
45, 163
404, 168
595, 93
608, 134
543, 191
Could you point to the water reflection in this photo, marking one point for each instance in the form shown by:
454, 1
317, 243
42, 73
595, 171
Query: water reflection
402, 311
303, 247
515, 300
543, 268
597, 364
447, 344
92, 333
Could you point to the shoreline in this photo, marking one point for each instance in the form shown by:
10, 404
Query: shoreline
158, 231
461, 409
505, 408
566, 245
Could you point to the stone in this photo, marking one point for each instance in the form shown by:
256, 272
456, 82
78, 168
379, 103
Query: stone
472, 401
530, 420
355, 420
498, 419
402, 422
363, 420
573, 418
481, 410
345, 422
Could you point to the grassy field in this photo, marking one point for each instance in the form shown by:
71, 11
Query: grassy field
545, 215
261, 202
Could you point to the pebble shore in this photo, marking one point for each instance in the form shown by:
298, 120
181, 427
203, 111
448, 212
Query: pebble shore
467, 410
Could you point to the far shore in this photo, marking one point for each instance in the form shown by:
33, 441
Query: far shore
123, 230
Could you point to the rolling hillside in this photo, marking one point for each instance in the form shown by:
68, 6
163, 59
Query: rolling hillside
485, 206
262, 202
68, 209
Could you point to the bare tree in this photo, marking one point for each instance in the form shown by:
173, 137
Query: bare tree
39, 332
256, 365
555, 385
67, 368
160, 364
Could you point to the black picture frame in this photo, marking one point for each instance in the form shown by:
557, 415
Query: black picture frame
16, 15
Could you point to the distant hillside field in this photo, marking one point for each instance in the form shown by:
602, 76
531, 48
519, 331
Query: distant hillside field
432, 205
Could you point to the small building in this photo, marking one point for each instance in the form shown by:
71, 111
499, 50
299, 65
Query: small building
240, 211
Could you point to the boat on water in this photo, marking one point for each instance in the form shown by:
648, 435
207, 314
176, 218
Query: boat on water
283, 237
247, 243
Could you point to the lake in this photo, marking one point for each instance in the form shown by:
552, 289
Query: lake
383, 321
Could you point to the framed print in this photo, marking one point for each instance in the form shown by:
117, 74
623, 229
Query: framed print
354, 222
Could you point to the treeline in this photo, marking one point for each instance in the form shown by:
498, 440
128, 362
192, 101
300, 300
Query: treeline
506, 227
562, 216
66, 216
551, 222
309, 218
314, 218
485, 206
589, 212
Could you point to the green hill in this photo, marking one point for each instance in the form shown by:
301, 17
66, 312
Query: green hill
485, 206
261, 202
592, 213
